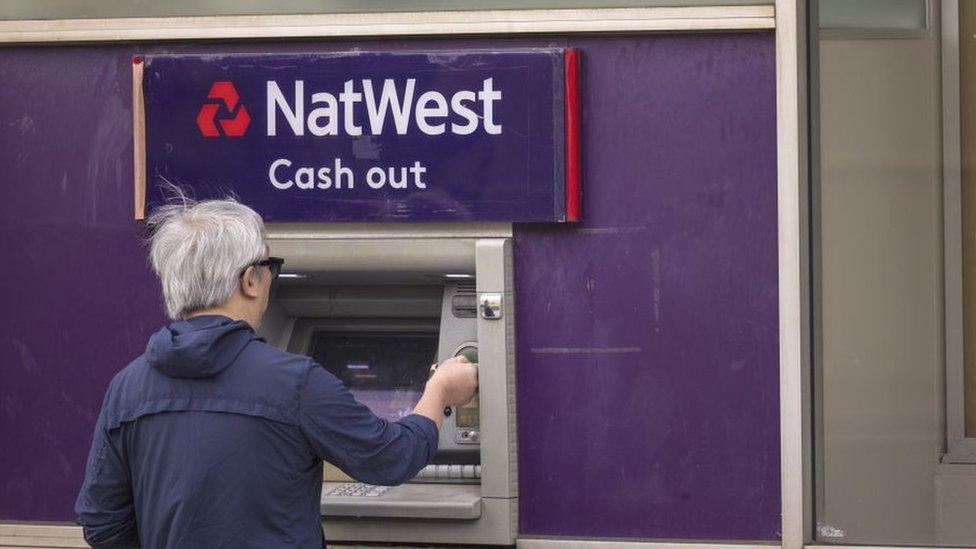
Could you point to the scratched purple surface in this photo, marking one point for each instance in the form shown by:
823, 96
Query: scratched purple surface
647, 339
78, 299
676, 259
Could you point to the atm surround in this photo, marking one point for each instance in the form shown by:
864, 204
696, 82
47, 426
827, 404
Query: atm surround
376, 309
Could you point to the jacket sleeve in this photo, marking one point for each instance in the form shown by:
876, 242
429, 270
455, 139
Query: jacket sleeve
367, 448
105, 506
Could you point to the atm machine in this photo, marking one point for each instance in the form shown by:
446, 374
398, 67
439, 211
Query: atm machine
377, 305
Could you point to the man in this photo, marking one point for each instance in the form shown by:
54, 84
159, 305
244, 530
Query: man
213, 438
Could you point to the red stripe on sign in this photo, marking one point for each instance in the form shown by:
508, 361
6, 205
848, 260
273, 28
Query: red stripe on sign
572, 135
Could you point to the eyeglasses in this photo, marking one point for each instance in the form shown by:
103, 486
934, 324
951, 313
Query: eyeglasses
272, 263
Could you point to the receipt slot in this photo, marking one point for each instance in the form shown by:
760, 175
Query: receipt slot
376, 306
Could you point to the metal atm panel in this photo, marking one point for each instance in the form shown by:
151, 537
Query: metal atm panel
351, 291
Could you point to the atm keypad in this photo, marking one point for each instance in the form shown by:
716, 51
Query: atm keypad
358, 489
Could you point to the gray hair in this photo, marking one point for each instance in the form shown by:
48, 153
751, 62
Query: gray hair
198, 250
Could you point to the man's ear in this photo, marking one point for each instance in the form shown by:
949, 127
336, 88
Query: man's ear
251, 282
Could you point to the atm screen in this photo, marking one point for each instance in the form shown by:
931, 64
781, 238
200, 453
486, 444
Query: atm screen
386, 371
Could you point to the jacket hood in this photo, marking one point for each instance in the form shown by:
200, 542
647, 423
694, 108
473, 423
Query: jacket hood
198, 347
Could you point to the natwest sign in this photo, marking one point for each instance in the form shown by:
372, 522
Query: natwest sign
392, 105
476, 136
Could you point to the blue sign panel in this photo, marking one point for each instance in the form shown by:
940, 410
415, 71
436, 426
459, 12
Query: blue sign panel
475, 136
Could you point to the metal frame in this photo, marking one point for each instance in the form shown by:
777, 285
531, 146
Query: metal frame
392, 24
959, 447
878, 33
373, 231
814, 251
530, 543
794, 342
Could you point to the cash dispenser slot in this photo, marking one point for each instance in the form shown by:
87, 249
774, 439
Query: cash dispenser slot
411, 500
378, 321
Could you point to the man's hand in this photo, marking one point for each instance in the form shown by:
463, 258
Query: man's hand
456, 379
453, 384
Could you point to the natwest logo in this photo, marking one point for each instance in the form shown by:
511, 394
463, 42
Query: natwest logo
207, 117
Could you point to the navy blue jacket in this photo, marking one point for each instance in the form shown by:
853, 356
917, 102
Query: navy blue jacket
213, 438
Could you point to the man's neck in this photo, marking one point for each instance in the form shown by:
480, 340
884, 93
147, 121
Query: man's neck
229, 312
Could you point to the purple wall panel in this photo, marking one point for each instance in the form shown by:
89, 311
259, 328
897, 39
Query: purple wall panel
647, 341
78, 299
647, 337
